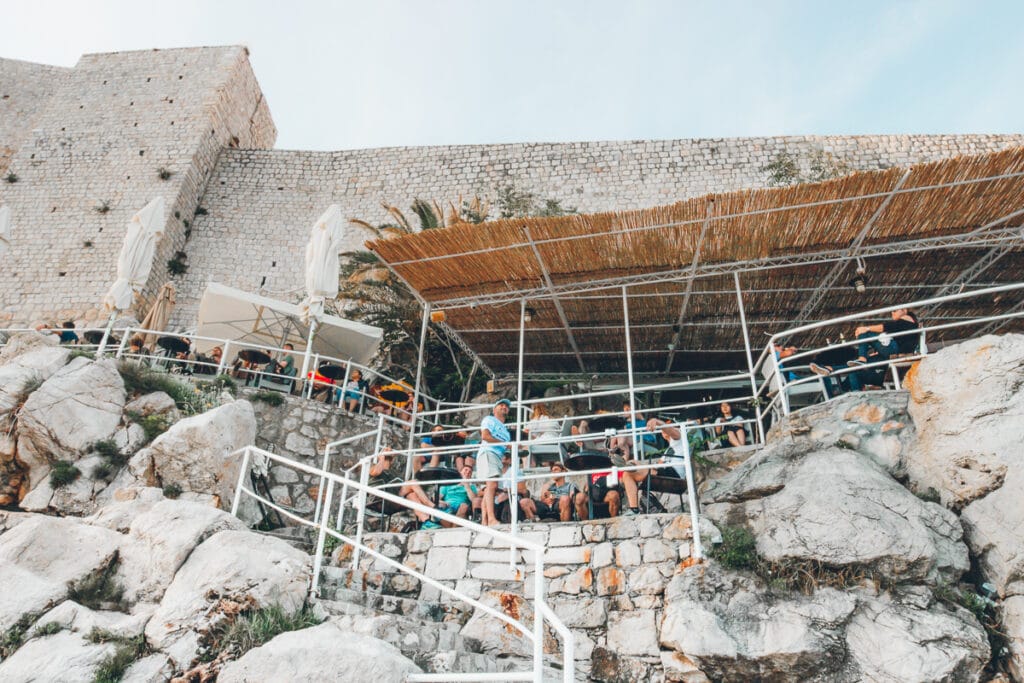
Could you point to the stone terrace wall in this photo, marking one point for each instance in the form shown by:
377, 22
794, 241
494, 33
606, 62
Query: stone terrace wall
606, 578
262, 203
25, 89
111, 123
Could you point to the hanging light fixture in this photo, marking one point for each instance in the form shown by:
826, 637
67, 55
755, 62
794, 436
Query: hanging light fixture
860, 278
528, 314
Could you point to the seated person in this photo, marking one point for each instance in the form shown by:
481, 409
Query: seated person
623, 444
460, 499
380, 474
601, 492
67, 333
541, 425
136, 345
352, 395
323, 386
561, 496
677, 449
877, 345
432, 458
285, 364
527, 506
730, 426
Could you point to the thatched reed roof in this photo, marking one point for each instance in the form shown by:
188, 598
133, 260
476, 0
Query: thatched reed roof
918, 230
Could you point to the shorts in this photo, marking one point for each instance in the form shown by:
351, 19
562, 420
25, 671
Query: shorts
488, 465
600, 489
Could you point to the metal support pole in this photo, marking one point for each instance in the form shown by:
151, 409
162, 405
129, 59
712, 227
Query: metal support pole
413, 411
514, 493
124, 342
691, 494
309, 348
750, 358
538, 618
223, 358
629, 369
339, 520
321, 538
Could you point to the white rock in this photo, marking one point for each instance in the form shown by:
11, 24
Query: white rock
81, 619
862, 518
237, 565
160, 539
497, 637
64, 657
1012, 611
900, 643
59, 549
155, 668
633, 633
197, 452
321, 653
156, 403
35, 365
33, 593
79, 405
26, 342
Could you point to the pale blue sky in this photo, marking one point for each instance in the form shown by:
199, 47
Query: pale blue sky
343, 75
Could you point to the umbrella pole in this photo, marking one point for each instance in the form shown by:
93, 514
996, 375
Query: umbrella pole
106, 335
309, 346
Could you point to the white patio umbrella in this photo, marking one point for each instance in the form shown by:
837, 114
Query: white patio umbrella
135, 261
5, 229
321, 271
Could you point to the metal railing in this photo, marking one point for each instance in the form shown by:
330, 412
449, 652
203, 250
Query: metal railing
777, 388
160, 358
533, 633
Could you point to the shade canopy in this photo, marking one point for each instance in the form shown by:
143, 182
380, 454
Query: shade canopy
136, 258
229, 313
322, 265
5, 229
920, 232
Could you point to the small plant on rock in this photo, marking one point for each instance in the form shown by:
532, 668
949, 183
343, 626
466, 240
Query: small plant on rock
929, 495
63, 473
271, 398
126, 652
163, 173
152, 425
738, 549
48, 629
14, 636
11, 177
178, 265
172, 491
99, 590
253, 627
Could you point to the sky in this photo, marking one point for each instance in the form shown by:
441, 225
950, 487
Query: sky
380, 73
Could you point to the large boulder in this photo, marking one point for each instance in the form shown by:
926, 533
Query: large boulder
20, 373
736, 631
64, 656
76, 407
23, 342
321, 653
228, 569
861, 519
196, 453
908, 638
159, 541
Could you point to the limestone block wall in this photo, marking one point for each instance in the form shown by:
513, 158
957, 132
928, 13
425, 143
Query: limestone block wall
25, 89
262, 203
107, 128
300, 430
606, 578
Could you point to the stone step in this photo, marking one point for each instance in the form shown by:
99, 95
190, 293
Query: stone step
382, 582
391, 604
416, 638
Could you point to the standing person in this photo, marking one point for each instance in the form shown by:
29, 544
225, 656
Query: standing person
67, 333
494, 437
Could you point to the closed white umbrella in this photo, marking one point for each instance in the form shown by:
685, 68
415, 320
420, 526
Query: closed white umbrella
325, 242
5, 229
135, 261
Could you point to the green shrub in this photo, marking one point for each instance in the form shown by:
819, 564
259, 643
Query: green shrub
31, 385
738, 549
63, 473
190, 399
109, 451
271, 398
929, 495
255, 627
99, 590
127, 650
14, 636
172, 490
152, 425
222, 381
102, 471
48, 629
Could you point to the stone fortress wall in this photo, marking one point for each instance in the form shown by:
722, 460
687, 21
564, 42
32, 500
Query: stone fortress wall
99, 133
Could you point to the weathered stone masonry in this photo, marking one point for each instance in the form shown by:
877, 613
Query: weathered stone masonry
99, 132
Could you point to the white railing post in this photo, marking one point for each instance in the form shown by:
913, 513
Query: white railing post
538, 617
320, 491
364, 479
223, 358
691, 493
339, 521
321, 538
124, 342
241, 480
779, 377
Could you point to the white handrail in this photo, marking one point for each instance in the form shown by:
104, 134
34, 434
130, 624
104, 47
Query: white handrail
542, 612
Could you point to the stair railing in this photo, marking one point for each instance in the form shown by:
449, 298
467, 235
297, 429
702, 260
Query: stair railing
542, 611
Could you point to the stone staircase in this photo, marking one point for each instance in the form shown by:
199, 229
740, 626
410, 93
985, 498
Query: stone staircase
378, 604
